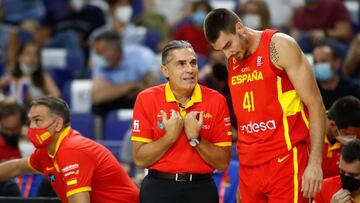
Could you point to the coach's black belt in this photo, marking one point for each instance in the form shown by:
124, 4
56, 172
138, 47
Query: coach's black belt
179, 176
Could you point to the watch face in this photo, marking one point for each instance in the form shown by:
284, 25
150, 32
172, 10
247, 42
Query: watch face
193, 142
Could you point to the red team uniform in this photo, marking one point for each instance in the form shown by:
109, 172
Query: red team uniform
272, 128
79, 164
329, 188
7, 151
331, 159
181, 157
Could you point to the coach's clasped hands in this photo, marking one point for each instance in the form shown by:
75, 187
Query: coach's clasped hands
174, 125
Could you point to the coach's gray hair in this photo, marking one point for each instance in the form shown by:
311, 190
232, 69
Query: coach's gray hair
56, 105
172, 45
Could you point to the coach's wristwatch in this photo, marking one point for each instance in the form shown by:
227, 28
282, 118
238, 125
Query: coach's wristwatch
195, 141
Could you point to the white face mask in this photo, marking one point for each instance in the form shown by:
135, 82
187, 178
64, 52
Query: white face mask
252, 20
99, 61
123, 13
343, 139
27, 70
77, 5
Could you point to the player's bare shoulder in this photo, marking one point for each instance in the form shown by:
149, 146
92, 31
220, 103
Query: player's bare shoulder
282, 48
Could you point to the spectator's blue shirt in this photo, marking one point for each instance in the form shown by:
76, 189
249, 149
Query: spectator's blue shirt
137, 61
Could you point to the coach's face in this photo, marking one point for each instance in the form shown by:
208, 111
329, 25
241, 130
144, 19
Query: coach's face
181, 70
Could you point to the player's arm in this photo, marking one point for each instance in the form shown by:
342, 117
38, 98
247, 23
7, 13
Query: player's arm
286, 54
13, 168
81, 197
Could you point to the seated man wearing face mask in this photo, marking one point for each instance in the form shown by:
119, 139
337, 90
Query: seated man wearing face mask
79, 169
346, 187
12, 120
331, 85
120, 72
343, 125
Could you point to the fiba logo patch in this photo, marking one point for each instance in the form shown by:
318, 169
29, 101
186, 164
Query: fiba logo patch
136, 126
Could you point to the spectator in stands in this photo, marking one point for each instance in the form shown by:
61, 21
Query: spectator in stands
79, 169
345, 187
343, 125
322, 21
15, 11
122, 71
12, 121
280, 11
351, 66
120, 20
154, 21
28, 80
255, 14
331, 85
76, 15
192, 32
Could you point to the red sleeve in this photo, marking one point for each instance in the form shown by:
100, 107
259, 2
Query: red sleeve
77, 170
34, 161
142, 122
221, 133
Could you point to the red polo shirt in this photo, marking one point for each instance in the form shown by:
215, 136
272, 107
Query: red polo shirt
181, 157
331, 158
80, 164
329, 188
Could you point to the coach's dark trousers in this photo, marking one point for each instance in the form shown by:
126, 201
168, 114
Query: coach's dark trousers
159, 190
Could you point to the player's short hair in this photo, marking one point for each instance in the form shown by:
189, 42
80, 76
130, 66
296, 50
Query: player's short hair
56, 105
219, 20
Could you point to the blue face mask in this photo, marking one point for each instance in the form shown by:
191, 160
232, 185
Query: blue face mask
99, 61
198, 17
323, 71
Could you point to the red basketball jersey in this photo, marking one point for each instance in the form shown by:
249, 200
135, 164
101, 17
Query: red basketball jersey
270, 115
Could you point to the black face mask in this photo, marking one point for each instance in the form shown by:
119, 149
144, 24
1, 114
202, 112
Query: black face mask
10, 139
349, 183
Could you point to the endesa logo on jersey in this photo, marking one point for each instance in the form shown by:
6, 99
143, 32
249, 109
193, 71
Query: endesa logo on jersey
254, 127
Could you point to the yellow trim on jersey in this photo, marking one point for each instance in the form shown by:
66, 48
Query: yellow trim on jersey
31, 167
296, 174
63, 134
223, 144
141, 139
195, 97
306, 121
335, 146
56, 165
229, 133
291, 104
82, 189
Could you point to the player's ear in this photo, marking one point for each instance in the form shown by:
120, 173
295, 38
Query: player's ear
240, 28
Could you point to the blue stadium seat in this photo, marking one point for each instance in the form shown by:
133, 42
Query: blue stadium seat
116, 124
83, 122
